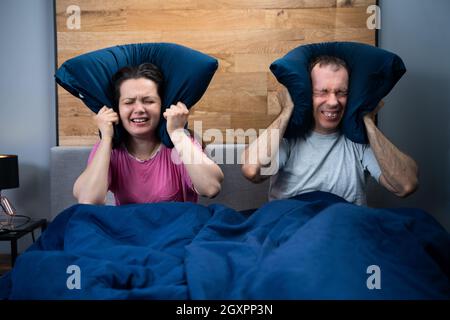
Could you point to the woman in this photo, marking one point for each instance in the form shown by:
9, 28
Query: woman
141, 169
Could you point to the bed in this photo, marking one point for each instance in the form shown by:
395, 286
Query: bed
314, 246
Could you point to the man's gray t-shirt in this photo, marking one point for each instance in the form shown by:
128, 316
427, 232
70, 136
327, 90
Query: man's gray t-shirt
320, 162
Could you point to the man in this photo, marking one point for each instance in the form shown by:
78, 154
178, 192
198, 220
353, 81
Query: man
324, 159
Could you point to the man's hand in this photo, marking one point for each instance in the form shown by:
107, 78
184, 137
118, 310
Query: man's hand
176, 116
285, 100
105, 118
371, 115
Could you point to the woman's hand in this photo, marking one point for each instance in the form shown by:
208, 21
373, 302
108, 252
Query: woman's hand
176, 116
105, 119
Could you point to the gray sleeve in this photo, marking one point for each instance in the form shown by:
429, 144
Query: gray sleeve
370, 163
283, 153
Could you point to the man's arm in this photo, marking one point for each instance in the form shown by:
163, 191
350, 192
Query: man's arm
261, 152
398, 171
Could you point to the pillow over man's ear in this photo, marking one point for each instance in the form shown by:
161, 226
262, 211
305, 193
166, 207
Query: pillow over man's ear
374, 72
187, 74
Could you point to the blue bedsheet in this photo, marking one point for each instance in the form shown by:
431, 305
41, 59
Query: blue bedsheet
314, 247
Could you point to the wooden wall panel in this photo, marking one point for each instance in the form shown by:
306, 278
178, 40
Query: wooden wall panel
245, 36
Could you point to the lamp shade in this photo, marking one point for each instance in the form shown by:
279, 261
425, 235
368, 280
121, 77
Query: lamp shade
9, 172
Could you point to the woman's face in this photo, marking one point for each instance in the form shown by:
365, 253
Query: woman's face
139, 107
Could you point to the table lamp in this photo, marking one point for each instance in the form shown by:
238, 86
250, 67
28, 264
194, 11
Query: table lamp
9, 179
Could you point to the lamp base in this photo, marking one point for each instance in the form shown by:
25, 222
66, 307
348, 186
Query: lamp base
10, 211
7, 206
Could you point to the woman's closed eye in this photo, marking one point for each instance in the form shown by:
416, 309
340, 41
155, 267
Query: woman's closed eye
128, 101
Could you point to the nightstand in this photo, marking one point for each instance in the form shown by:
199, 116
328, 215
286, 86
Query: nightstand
18, 231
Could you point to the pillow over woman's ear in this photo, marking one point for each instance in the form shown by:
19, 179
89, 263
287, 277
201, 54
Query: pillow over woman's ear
374, 72
187, 74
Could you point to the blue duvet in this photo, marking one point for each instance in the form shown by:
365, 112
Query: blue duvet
313, 247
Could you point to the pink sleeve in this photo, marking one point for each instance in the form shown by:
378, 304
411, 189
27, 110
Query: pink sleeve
93, 151
91, 156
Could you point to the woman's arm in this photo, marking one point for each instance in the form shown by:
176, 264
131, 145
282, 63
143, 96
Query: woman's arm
206, 176
91, 186
398, 171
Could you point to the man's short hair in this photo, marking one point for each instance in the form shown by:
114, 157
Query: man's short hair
325, 60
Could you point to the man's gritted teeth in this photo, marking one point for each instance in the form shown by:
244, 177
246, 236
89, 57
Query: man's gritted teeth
331, 115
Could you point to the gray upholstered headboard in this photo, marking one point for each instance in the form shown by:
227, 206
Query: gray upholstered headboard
67, 163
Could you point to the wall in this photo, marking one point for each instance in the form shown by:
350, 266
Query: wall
417, 112
27, 107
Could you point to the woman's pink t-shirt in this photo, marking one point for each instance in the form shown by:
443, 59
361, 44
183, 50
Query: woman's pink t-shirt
154, 180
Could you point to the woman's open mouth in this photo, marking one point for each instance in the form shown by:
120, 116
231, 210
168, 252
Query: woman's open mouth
139, 121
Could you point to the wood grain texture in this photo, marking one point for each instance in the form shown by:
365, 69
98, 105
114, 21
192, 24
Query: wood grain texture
245, 37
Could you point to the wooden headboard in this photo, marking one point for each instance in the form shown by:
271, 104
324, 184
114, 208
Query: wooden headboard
244, 35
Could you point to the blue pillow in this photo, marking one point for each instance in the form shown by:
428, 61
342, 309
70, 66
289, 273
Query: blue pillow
374, 72
187, 74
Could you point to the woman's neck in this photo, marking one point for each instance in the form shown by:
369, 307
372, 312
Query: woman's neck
142, 149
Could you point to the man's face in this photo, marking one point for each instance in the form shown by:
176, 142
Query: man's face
330, 87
